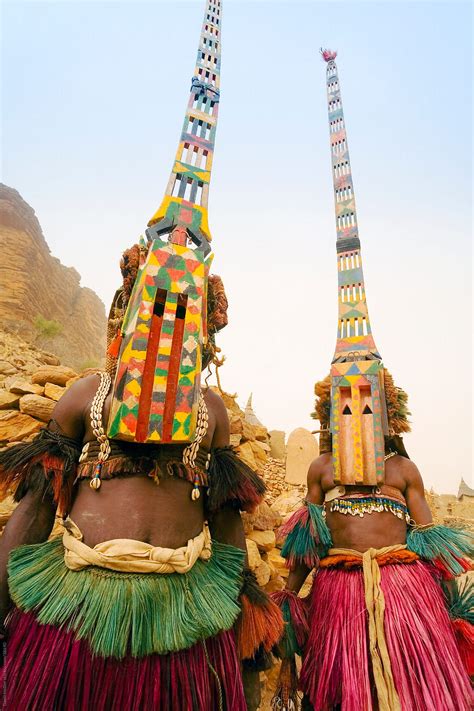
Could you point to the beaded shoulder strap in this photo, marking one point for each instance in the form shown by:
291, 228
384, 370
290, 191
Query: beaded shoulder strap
96, 412
190, 452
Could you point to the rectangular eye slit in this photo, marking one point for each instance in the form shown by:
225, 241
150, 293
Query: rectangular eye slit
181, 307
159, 305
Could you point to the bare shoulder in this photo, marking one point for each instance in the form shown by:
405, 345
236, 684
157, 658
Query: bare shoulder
402, 472
70, 410
319, 468
82, 391
215, 403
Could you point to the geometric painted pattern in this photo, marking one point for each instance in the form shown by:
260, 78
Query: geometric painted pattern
156, 390
354, 332
358, 408
157, 383
186, 198
358, 434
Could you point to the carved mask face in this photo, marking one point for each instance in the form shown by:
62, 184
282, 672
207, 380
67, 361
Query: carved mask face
157, 382
357, 423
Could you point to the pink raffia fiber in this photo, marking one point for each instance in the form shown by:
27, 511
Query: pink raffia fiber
299, 518
297, 611
47, 668
426, 664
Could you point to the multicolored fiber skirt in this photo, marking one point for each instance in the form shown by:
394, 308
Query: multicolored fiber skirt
381, 637
100, 639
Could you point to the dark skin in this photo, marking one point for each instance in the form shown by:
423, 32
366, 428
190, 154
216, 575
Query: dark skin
375, 530
132, 507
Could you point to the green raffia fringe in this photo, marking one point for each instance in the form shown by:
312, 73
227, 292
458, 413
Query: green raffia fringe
128, 613
460, 597
319, 523
307, 536
449, 546
289, 645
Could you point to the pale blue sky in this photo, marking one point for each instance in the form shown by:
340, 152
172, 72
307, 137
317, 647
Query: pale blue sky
93, 99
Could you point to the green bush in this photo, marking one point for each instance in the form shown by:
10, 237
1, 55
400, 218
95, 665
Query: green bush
47, 329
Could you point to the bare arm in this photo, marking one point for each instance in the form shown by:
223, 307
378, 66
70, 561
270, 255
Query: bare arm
33, 519
226, 524
31, 522
415, 494
314, 495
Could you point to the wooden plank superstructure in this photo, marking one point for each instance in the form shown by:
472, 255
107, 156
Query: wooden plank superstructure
358, 409
157, 382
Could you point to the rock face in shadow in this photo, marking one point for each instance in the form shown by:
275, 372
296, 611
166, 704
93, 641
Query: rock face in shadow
34, 283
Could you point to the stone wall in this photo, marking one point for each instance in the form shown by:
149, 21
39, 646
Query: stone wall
33, 282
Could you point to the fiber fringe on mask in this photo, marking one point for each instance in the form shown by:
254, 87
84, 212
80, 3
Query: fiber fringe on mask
260, 623
307, 536
295, 617
233, 481
121, 614
447, 547
286, 692
46, 465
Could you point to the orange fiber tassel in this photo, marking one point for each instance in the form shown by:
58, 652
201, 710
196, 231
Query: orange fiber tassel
258, 625
114, 348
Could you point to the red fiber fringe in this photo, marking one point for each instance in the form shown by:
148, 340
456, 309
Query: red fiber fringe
46, 668
464, 632
300, 517
257, 625
445, 573
426, 663
298, 613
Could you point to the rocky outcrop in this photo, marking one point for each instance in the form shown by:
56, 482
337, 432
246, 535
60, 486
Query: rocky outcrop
28, 393
34, 283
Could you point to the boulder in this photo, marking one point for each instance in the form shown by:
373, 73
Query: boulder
253, 554
57, 374
48, 358
245, 452
21, 386
278, 563
301, 449
7, 368
8, 401
17, 426
261, 433
55, 392
235, 440
277, 444
287, 502
259, 452
265, 540
236, 426
275, 583
37, 406
262, 573
263, 518
248, 431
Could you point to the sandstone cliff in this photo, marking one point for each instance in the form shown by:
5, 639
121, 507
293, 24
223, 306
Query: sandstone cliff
34, 283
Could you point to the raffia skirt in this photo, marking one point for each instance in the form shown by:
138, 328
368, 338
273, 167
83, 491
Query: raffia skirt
101, 639
417, 652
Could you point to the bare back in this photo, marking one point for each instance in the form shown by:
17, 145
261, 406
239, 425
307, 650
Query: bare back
136, 507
